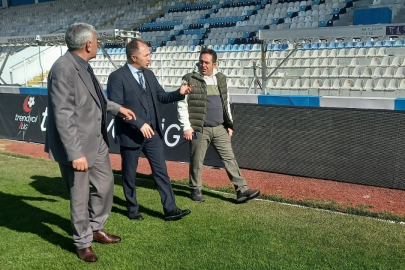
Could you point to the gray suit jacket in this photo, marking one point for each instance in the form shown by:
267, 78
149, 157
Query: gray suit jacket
74, 113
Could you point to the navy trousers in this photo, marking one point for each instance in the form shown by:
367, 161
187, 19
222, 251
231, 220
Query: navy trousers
153, 150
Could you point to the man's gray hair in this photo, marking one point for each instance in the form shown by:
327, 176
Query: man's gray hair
78, 34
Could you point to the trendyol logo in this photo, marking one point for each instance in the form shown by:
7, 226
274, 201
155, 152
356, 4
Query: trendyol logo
25, 120
29, 102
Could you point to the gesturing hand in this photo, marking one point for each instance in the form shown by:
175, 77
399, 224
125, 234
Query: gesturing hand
127, 114
185, 89
80, 164
147, 131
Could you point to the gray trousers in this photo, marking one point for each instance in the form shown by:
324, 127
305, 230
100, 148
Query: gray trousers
91, 197
221, 141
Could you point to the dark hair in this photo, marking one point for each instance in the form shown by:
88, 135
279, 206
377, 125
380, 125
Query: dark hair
133, 46
211, 52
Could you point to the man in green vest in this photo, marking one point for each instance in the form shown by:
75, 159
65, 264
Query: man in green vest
205, 118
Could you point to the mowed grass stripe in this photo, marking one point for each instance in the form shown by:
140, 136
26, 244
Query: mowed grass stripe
36, 233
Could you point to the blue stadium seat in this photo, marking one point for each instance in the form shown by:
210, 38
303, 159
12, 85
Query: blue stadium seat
306, 47
377, 44
368, 44
322, 24
341, 45
248, 47
332, 45
235, 48
323, 46
398, 43
387, 43
349, 44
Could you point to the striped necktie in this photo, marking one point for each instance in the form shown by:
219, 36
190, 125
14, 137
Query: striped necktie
141, 79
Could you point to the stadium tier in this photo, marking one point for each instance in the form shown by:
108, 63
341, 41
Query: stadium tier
176, 31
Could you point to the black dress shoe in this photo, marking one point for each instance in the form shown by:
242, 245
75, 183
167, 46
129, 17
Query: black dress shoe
176, 214
135, 215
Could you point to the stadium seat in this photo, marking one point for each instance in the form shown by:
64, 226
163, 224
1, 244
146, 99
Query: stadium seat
356, 72
375, 62
399, 73
347, 84
380, 85
385, 62
354, 62
389, 72
325, 73
396, 62
367, 72
369, 85
345, 72
358, 85
326, 84
297, 84
316, 84
377, 72
392, 85
401, 85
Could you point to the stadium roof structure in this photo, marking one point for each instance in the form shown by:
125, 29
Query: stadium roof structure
103, 36
298, 37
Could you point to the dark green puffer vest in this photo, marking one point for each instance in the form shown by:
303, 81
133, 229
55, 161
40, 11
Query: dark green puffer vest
197, 100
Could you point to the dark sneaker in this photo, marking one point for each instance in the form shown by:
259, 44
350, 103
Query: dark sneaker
176, 214
135, 215
247, 195
196, 195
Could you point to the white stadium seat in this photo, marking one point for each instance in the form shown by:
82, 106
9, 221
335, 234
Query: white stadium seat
392, 85
380, 85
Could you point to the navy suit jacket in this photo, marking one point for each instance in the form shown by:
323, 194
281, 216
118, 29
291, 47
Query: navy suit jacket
122, 88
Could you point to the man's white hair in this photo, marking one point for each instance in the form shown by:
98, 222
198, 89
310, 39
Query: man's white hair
78, 34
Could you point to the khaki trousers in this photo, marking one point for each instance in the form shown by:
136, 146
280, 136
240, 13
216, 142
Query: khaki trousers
221, 141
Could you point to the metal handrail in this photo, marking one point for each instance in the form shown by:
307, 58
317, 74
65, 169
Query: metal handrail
12, 67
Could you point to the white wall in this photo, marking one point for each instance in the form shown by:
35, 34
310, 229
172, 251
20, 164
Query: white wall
16, 72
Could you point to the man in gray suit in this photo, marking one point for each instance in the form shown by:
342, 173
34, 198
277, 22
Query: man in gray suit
76, 137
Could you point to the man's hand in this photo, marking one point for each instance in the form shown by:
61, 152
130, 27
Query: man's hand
147, 131
127, 114
185, 89
230, 132
80, 164
188, 134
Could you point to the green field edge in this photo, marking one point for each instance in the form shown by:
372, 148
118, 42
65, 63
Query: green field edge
330, 205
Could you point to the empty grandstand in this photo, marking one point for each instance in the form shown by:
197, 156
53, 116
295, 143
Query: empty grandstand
372, 66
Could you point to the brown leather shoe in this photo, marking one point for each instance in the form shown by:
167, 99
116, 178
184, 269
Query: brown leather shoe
104, 237
86, 254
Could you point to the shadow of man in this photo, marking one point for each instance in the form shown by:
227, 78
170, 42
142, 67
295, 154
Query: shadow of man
18, 215
147, 181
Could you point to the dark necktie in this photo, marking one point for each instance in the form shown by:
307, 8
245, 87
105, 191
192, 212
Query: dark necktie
103, 103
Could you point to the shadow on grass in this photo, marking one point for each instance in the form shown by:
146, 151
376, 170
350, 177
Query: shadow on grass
18, 215
147, 181
55, 187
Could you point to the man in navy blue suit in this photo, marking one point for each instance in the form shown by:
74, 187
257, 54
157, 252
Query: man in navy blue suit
136, 88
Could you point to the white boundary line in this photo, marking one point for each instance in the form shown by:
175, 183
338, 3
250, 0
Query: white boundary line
303, 206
